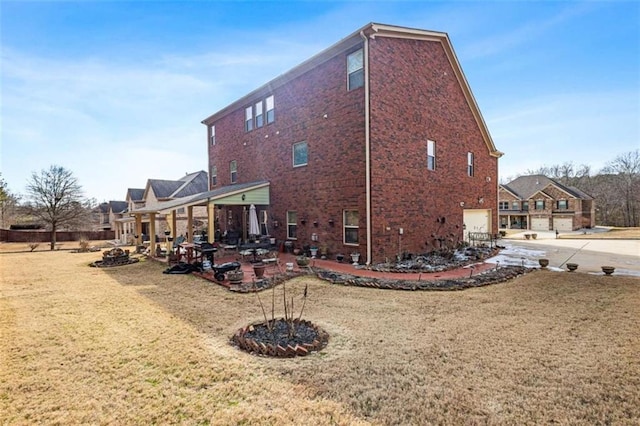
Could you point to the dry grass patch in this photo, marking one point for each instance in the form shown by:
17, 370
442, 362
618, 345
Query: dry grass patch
130, 344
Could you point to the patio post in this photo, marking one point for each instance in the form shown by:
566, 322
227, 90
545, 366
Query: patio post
190, 224
138, 229
152, 232
211, 221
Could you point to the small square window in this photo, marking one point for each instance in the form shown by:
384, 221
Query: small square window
300, 154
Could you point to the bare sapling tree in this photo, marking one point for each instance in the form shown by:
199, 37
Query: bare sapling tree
56, 198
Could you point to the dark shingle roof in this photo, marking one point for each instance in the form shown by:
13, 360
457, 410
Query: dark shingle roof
164, 188
135, 194
118, 206
526, 186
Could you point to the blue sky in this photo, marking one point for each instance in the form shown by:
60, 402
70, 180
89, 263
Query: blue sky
115, 91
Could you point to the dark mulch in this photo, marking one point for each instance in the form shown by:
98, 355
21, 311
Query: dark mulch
304, 333
492, 276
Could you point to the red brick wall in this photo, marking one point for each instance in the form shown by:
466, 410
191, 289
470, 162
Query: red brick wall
415, 96
412, 100
334, 178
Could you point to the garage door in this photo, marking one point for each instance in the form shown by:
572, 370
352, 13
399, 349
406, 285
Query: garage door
476, 221
563, 223
539, 224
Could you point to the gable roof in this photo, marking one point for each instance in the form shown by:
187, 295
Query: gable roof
192, 183
135, 194
118, 206
526, 186
370, 30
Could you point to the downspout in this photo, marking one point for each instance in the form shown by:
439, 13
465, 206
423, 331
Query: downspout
367, 146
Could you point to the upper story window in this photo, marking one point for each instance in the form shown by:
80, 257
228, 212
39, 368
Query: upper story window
259, 115
233, 168
431, 155
525, 206
503, 205
248, 119
300, 154
269, 106
539, 204
469, 163
562, 204
214, 175
515, 205
351, 226
292, 225
212, 133
355, 70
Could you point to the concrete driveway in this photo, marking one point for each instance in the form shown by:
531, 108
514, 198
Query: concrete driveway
589, 254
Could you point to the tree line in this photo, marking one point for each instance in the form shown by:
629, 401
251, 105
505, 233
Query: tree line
615, 188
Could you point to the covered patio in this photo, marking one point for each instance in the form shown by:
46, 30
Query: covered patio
256, 193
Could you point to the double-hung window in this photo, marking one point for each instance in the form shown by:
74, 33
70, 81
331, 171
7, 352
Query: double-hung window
233, 168
515, 205
355, 70
292, 225
539, 204
213, 135
562, 205
470, 163
351, 227
431, 155
214, 176
300, 154
269, 106
504, 205
248, 119
259, 115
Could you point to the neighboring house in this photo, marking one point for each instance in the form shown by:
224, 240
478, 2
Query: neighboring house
539, 203
158, 191
100, 217
375, 145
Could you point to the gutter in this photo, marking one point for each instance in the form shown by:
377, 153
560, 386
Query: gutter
367, 145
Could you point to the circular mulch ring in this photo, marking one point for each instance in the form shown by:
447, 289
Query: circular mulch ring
278, 342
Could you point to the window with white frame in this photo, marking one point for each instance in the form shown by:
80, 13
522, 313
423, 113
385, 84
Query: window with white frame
503, 205
248, 119
562, 205
300, 154
270, 109
539, 204
214, 176
470, 163
212, 132
292, 225
355, 70
431, 155
351, 227
233, 168
259, 115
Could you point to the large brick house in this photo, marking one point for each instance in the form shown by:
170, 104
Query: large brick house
375, 145
539, 203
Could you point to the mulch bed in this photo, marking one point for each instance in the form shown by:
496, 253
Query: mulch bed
492, 276
279, 342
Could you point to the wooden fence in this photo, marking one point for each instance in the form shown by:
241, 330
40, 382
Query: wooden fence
28, 236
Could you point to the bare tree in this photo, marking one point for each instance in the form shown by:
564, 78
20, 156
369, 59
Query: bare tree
625, 169
8, 204
56, 197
